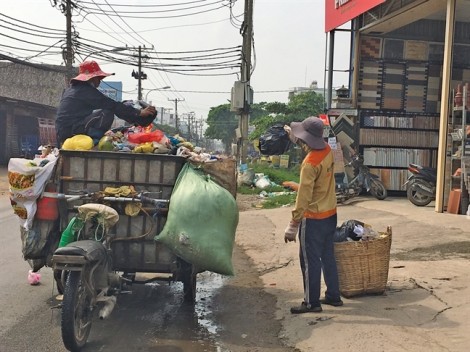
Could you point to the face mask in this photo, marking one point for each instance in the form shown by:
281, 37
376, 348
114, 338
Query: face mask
94, 83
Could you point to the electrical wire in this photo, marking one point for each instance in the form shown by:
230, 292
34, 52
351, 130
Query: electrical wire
90, 9
116, 14
208, 62
33, 25
22, 48
32, 34
110, 28
153, 5
169, 27
162, 17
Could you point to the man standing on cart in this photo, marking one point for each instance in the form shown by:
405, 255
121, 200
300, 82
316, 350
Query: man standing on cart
83, 109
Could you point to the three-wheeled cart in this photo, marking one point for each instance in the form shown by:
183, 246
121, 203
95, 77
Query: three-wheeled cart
81, 178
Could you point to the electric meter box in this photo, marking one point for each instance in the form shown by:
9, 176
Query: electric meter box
238, 96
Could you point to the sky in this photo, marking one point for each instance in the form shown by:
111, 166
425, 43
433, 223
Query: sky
289, 45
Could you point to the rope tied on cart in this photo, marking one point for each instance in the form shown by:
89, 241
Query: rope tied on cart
137, 238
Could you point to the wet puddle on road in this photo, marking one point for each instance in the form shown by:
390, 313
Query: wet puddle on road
155, 318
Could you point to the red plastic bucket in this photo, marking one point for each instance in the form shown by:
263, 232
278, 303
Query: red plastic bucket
47, 207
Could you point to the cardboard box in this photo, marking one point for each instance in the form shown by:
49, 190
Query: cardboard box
338, 158
453, 205
284, 161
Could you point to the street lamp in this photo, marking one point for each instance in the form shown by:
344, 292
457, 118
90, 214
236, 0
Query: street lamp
150, 90
117, 49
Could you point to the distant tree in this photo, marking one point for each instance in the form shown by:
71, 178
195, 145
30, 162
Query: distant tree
298, 108
222, 124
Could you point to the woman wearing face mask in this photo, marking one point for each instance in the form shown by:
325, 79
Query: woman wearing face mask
83, 109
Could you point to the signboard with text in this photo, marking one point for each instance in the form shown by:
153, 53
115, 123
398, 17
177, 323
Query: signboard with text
111, 89
338, 12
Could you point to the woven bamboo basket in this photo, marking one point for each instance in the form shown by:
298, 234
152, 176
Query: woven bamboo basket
363, 265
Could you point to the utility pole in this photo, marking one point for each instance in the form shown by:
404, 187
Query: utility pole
68, 49
139, 75
247, 33
139, 80
196, 131
192, 126
176, 100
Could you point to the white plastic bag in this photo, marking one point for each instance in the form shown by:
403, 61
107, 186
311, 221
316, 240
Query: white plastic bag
262, 182
27, 181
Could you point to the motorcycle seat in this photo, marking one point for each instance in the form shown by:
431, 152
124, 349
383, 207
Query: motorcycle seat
91, 250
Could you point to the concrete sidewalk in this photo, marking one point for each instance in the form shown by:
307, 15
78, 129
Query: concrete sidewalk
427, 299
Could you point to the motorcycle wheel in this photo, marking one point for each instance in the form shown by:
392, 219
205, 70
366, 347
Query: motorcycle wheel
417, 198
76, 313
377, 189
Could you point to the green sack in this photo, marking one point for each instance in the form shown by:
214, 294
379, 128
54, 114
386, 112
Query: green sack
201, 223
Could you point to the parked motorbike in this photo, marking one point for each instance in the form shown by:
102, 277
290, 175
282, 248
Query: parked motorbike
363, 180
85, 273
421, 185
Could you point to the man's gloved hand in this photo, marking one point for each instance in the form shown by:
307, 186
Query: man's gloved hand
148, 111
290, 233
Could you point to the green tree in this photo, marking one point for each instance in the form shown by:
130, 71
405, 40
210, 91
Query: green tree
298, 108
222, 124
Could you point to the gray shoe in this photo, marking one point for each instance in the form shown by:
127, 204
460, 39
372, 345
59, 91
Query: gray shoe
337, 303
306, 308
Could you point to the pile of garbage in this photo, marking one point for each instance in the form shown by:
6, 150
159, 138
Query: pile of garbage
247, 177
136, 139
355, 230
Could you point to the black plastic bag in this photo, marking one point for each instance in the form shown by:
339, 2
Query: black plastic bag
347, 230
275, 141
40, 240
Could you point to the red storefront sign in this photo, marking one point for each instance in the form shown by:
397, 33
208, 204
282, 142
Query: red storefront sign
338, 12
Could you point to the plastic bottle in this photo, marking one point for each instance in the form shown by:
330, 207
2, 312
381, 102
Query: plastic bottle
68, 235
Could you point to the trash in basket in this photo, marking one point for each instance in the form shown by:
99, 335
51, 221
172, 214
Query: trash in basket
363, 265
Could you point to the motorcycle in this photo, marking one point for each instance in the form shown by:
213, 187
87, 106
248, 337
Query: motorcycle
363, 179
421, 185
106, 240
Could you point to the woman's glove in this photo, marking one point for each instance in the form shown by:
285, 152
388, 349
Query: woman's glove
290, 233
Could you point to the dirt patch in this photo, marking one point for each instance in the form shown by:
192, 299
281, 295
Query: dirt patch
248, 202
450, 250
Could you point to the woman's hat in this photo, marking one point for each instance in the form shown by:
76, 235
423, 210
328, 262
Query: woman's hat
89, 69
310, 131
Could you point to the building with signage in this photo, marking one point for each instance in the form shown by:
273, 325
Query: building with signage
409, 70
